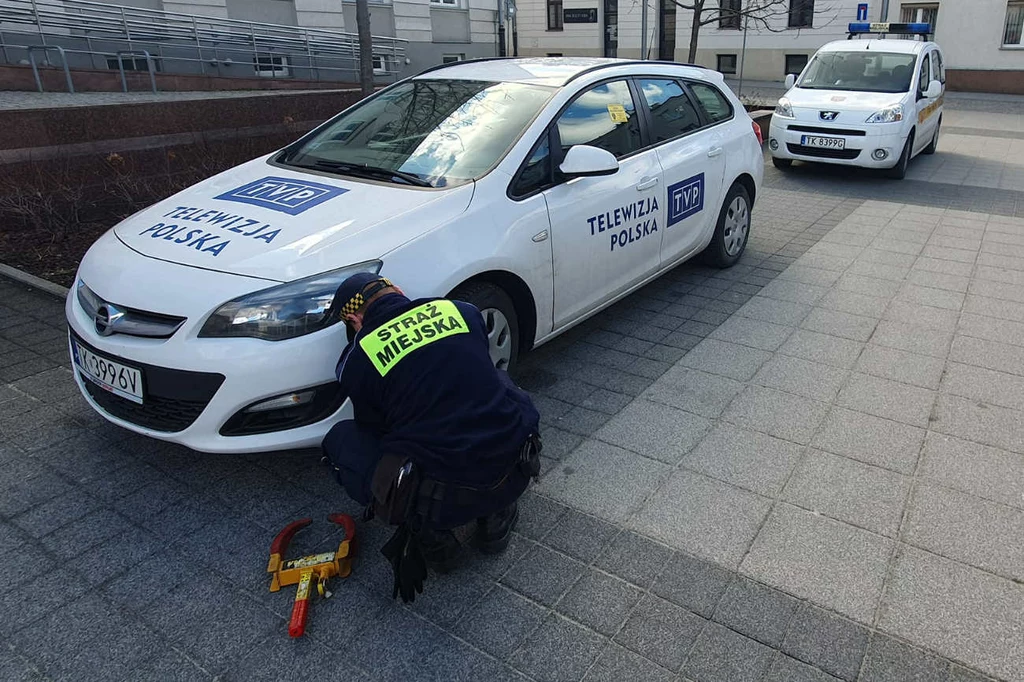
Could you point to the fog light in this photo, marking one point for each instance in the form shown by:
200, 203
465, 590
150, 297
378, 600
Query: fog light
879, 155
281, 402
773, 144
288, 411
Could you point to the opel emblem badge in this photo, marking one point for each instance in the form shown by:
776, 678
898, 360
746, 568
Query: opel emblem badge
106, 319
828, 115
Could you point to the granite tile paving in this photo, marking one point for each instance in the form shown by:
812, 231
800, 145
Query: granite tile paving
805, 467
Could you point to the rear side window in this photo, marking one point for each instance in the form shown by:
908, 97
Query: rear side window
605, 117
714, 102
672, 112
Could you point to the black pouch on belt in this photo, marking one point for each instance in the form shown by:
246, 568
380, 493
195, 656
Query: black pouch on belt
529, 457
394, 487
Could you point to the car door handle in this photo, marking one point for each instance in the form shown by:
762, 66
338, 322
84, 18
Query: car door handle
646, 183
715, 152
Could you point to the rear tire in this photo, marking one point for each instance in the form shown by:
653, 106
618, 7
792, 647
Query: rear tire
934, 144
899, 171
732, 230
500, 320
782, 164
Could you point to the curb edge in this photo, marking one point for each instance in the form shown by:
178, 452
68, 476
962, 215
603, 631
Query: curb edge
23, 277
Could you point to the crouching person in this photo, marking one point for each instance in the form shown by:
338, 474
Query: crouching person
443, 444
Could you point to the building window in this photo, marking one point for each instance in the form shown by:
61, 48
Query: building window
269, 65
445, 3
380, 64
555, 54
452, 58
920, 14
729, 13
795, 63
554, 15
1013, 34
801, 13
727, 63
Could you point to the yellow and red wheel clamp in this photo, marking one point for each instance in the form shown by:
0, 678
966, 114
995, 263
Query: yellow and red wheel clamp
309, 570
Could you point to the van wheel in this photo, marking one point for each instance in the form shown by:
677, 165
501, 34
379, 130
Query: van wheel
899, 171
500, 320
934, 144
732, 230
782, 164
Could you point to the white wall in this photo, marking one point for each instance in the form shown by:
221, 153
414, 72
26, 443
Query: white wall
321, 14
574, 39
970, 33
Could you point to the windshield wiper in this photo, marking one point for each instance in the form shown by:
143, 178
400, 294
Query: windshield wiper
371, 172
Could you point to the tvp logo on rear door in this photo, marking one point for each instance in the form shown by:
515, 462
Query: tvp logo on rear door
685, 199
284, 195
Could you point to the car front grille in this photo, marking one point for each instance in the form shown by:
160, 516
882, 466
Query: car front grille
172, 399
827, 131
822, 153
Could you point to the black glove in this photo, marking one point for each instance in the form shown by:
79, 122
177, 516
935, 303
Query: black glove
407, 562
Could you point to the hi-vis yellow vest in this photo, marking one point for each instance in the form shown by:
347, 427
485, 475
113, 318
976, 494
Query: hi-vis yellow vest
390, 343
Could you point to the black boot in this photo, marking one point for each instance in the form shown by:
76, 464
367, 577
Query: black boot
495, 531
441, 549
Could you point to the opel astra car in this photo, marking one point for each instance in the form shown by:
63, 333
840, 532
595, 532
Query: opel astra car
868, 103
540, 190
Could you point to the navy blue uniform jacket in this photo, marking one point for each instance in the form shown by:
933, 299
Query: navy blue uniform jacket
444, 404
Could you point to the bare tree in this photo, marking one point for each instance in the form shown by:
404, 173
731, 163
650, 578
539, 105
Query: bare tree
758, 14
365, 47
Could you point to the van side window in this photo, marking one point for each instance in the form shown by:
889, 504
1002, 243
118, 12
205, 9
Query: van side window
938, 71
924, 79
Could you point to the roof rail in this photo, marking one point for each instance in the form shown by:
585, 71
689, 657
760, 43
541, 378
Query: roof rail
628, 62
477, 60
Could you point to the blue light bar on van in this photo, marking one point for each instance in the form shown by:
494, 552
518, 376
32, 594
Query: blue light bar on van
859, 27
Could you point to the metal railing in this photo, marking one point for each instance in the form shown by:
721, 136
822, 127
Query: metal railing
183, 43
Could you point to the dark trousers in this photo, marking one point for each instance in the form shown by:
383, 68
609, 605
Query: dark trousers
354, 451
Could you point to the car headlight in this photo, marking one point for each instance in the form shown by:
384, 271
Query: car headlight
284, 311
887, 115
784, 108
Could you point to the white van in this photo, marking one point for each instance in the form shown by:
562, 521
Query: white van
870, 103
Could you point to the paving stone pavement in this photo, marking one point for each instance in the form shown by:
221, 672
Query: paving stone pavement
807, 467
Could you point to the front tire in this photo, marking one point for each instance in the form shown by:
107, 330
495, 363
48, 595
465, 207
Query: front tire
934, 144
899, 171
732, 230
782, 164
500, 320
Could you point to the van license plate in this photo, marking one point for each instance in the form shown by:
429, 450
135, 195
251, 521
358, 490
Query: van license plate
107, 374
826, 142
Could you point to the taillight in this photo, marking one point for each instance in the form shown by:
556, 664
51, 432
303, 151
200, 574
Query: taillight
757, 131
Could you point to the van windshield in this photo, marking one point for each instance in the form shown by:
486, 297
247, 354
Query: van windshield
431, 133
863, 71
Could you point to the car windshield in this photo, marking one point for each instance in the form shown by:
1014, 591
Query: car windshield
436, 133
861, 70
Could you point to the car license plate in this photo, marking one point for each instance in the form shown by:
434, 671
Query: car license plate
826, 142
107, 374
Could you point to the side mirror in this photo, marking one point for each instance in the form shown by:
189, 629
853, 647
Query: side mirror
934, 90
790, 80
584, 161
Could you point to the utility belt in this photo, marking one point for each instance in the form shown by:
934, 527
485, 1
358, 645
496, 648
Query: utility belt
403, 495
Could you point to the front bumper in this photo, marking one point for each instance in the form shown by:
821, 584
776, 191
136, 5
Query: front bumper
197, 385
861, 142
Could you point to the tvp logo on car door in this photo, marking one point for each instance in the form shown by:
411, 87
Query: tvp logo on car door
685, 198
284, 195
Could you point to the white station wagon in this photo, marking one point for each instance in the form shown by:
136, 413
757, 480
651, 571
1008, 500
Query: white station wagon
540, 190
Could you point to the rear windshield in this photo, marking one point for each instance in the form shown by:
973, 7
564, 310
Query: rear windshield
864, 71
435, 132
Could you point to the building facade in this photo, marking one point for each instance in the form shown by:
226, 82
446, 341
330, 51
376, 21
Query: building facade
981, 38
431, 32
